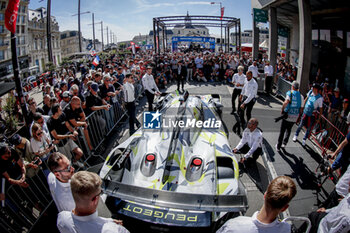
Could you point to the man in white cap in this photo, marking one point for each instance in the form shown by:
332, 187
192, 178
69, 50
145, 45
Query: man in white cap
65, 99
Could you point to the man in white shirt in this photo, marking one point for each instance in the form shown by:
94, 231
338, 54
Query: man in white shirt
129, 96
150, 87
334, 220
248, 97
279, 193
254, 69
238, 81
340, 191
199, 62
86, 190
251, 141
59, 181
268, 70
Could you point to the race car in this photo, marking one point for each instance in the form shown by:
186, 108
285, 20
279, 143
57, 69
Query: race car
177, 171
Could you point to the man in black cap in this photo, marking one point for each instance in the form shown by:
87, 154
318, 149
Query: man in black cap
181, 75
150, 87
312, 103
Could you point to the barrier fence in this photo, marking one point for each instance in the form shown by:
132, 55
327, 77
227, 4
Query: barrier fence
23, 207
326, 135
283, 86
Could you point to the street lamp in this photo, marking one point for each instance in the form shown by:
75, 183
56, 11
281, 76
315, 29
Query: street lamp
79, 30
212, 3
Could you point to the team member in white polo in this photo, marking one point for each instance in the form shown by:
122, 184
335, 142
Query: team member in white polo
238, 80
86, 190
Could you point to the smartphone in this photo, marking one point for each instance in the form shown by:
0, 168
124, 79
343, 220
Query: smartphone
37, 161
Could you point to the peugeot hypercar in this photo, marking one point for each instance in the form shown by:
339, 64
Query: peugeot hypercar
177, 171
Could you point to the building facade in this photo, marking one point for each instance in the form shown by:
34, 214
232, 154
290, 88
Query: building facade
70, 44
38, 39
317, 38
22, 41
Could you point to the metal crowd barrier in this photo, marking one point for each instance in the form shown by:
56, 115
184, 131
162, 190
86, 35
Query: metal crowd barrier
327, 135
261, 82
283, 86
23, 207
101, 123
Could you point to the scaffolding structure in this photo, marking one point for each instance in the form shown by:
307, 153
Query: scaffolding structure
160, 24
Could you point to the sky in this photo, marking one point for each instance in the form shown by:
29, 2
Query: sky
127, 18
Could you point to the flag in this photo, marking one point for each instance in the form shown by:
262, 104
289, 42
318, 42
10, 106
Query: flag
133, 47
11, 15
89, 47
222, 12
93, 52
96, 61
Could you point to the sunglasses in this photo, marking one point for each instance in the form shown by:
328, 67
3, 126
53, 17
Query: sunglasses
40, 133
97, 195
68, 169
32, 103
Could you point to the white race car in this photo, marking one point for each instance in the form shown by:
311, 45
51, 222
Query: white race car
181, 174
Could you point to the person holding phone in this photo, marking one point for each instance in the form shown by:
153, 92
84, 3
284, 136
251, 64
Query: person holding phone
40, 144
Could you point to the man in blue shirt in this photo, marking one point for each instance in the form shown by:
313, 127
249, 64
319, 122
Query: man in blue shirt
292, 106
312, 103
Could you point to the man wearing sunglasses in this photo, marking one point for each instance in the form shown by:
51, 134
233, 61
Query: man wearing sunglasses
86, 190
59, 181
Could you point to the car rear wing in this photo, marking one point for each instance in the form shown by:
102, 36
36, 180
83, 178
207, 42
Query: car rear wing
176, 200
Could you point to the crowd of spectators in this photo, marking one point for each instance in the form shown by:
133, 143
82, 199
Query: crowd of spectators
68, 99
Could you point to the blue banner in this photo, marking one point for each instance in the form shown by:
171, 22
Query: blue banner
201, 40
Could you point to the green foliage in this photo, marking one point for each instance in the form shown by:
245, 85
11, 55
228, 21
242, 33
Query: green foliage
122, 45
66, 61
50, 66
11, 121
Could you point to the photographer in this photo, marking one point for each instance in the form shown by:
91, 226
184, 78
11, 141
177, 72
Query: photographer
290, 112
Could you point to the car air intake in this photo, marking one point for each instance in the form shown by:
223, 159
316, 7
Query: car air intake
194, 169
148, 165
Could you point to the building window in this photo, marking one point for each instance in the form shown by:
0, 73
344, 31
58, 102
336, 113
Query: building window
203, 32
1, 16
23, 19
2, 5
23, 29
2, 54
325, 35
1, 28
